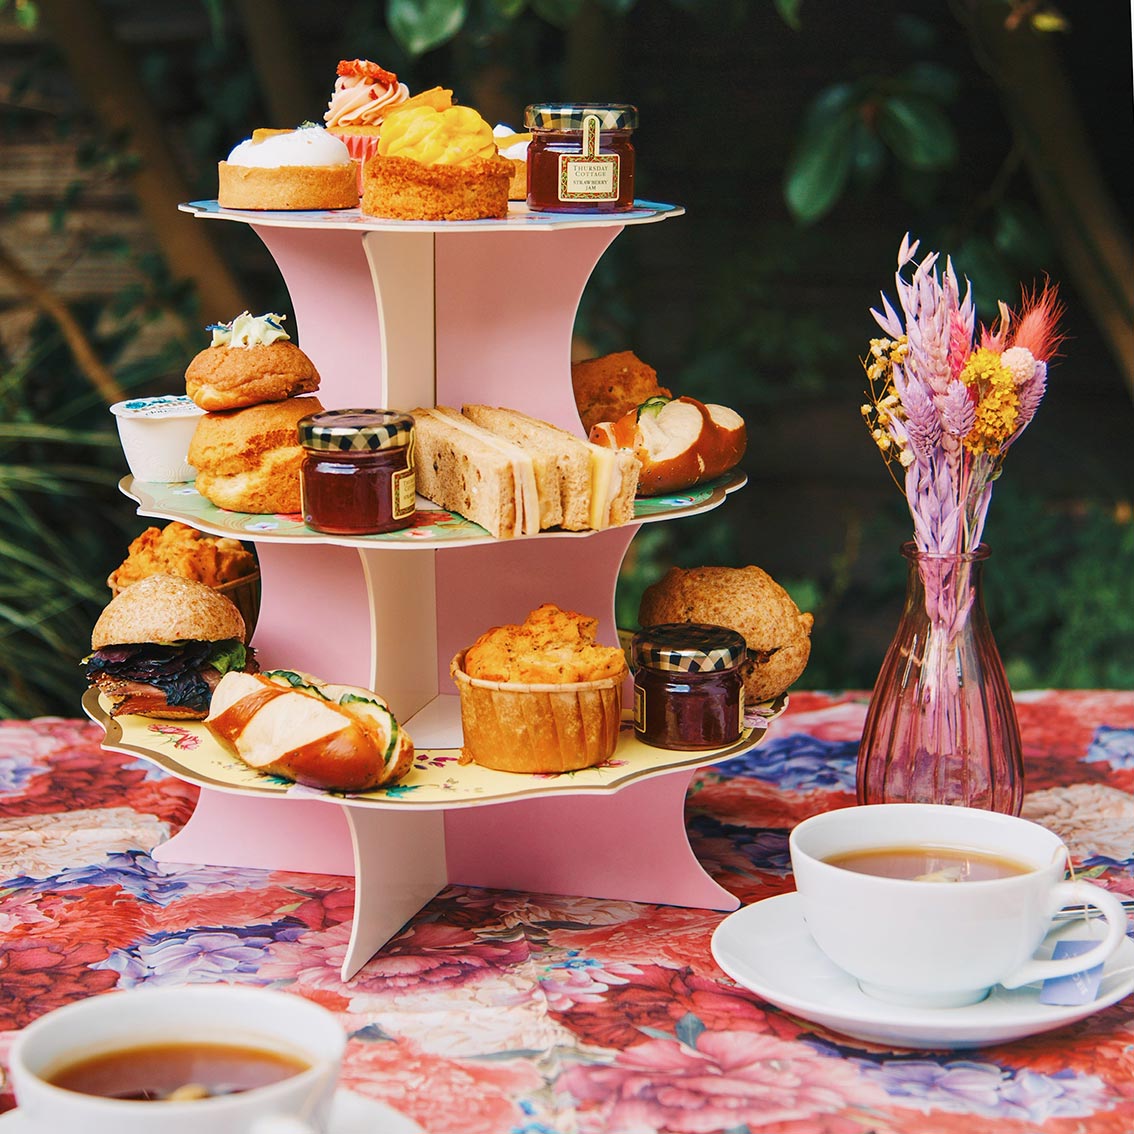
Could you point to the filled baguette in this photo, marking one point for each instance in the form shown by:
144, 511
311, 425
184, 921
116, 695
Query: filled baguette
335, 737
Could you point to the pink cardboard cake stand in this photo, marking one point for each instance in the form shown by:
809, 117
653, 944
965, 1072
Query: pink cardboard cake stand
401, 315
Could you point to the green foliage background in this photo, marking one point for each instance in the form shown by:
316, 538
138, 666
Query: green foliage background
886, 131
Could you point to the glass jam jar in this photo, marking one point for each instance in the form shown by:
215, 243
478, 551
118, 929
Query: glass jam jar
581, 158
357, 474
688, 685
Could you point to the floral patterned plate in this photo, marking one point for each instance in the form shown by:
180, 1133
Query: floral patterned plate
766, 948
431, 526
188, 750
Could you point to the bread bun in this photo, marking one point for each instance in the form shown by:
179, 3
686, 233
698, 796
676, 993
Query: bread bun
335, 737
611, 385
247, 460
225, 378
745, 599
167, 608
679, 442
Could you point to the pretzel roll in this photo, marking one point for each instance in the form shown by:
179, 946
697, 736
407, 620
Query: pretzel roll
679, 442
335, 737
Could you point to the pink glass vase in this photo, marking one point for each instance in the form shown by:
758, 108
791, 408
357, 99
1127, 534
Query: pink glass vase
941, 726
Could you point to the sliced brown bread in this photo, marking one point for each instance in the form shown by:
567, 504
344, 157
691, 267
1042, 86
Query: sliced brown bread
469, 470
597, 485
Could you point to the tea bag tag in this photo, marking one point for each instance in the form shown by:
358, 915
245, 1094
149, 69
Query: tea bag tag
1078, 988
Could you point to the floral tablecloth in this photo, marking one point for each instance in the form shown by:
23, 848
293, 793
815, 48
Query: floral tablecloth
512, 1013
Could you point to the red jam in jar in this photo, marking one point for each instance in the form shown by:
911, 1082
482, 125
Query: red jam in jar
581, 158
357, 475
688, 685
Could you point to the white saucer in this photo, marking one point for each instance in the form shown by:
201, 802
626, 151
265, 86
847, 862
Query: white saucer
350, 1114
766, 948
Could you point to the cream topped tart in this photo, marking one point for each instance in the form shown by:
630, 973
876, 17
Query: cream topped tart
306, 168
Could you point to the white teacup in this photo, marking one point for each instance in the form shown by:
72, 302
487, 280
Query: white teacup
940, 944
263, 1020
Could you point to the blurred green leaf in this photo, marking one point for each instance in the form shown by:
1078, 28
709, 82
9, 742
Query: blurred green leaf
560, 13
421, 25
917, 131
509, 9
789, 12
821, 161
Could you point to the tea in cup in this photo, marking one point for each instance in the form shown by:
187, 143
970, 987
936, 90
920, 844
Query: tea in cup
221, 1059
930, 905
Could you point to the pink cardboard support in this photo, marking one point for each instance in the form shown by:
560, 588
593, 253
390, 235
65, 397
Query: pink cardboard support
630, 844
399, 316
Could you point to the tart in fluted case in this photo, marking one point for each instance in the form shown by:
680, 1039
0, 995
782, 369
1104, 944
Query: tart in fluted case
540, 697
286, 170
436, 165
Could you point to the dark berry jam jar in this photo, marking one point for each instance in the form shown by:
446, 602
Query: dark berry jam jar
357, 475
581, 158
688, 685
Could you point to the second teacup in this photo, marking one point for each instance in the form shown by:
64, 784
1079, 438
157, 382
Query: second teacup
927, 940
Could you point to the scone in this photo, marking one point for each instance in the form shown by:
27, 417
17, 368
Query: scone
612, 385
288, 170
247, 460
745, 599
436, 165
250, 360
540, 697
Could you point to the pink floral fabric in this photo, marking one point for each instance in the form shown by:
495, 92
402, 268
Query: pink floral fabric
498, 1012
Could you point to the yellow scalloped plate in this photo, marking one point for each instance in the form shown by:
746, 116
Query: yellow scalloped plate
189, 751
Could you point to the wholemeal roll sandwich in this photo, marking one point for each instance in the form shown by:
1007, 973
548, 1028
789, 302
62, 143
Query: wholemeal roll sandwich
161, 647
335, 737
516, 475
745, 599
247, 460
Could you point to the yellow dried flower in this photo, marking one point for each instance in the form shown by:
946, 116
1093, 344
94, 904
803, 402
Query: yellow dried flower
997, 405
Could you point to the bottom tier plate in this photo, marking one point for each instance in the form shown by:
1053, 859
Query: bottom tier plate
188, 750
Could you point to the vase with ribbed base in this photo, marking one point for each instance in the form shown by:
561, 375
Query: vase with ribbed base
941, 726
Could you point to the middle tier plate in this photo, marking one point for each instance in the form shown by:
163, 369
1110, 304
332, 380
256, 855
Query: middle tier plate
188, 750
431, 526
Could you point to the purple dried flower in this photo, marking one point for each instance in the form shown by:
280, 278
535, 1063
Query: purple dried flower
958, 413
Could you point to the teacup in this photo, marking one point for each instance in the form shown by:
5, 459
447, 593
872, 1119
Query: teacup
303, 1037
931, 943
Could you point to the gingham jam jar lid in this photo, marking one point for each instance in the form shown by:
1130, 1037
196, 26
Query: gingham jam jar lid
687, 647
569, 115
355, 430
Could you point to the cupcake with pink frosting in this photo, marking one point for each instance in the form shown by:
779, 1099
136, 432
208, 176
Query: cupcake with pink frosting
364, 94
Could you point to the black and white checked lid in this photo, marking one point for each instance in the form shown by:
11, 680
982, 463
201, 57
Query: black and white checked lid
355, 430
687, 647
570, 115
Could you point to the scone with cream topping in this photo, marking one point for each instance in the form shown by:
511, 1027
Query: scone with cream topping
251, 359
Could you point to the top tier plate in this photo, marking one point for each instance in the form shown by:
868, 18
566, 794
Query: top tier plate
520, 217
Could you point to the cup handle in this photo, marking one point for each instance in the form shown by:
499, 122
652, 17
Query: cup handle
1075, 893
281, 1124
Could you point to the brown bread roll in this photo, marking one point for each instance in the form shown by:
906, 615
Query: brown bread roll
745, 599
